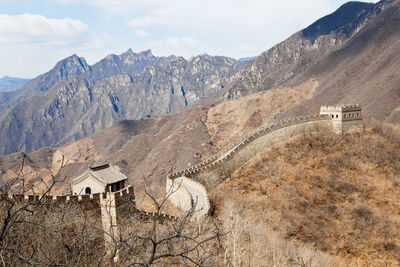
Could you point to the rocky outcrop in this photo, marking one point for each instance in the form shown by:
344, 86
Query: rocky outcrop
128, 62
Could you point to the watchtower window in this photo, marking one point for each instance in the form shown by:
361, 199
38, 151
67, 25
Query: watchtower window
337, 116
333, 116
88, 191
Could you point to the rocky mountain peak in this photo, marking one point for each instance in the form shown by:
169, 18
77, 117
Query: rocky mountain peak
71, 67
343, 21
129, 57
147, 53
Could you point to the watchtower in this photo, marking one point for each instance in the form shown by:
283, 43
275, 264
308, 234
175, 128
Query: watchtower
345, 118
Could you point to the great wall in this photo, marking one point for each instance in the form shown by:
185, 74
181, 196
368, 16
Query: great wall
190, 185
187, 189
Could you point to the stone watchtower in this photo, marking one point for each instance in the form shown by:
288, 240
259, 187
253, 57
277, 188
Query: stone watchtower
345, 118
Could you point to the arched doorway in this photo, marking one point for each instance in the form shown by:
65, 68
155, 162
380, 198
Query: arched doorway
88, 191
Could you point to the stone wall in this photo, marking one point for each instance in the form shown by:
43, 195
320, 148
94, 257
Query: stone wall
107, 203
228, 152
186, 193
212, 171
178, 194
199, 196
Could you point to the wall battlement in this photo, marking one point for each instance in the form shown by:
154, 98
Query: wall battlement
234, 147
90, 200
355, 107
345, 118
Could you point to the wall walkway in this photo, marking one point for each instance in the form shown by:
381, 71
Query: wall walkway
212, 171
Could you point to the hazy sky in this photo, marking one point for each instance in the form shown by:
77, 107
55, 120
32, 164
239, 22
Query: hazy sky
35, 34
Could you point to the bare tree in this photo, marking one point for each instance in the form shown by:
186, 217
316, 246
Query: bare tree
36, 231
41, 232
155, 238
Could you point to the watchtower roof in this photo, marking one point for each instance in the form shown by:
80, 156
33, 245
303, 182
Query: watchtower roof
106, 174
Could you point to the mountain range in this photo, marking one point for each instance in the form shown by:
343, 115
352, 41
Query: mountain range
74, 100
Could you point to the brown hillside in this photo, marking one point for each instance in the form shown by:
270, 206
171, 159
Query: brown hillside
340, 194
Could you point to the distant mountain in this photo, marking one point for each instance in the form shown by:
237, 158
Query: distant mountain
74, 100
292, 57
128, 62
9, 84
74, 66
244, 60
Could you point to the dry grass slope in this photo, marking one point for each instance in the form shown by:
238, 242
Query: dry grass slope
339, 194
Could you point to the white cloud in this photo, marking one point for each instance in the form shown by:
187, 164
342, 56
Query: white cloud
121, 6
32, 44
142, 33
143, 25
226, 25
234, 28
146, 22
28, 28
182, 46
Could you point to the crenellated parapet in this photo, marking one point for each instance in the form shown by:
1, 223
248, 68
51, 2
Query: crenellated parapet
88, 201
345, 118
230, 150
351, 107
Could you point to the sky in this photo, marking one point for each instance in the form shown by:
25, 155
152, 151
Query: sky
36, 34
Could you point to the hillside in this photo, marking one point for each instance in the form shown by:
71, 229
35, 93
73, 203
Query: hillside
339, 194
316, 199
77, 67
364, 71
301, 51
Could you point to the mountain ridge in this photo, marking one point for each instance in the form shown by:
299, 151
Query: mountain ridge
292, 57
73, 102
75, 66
